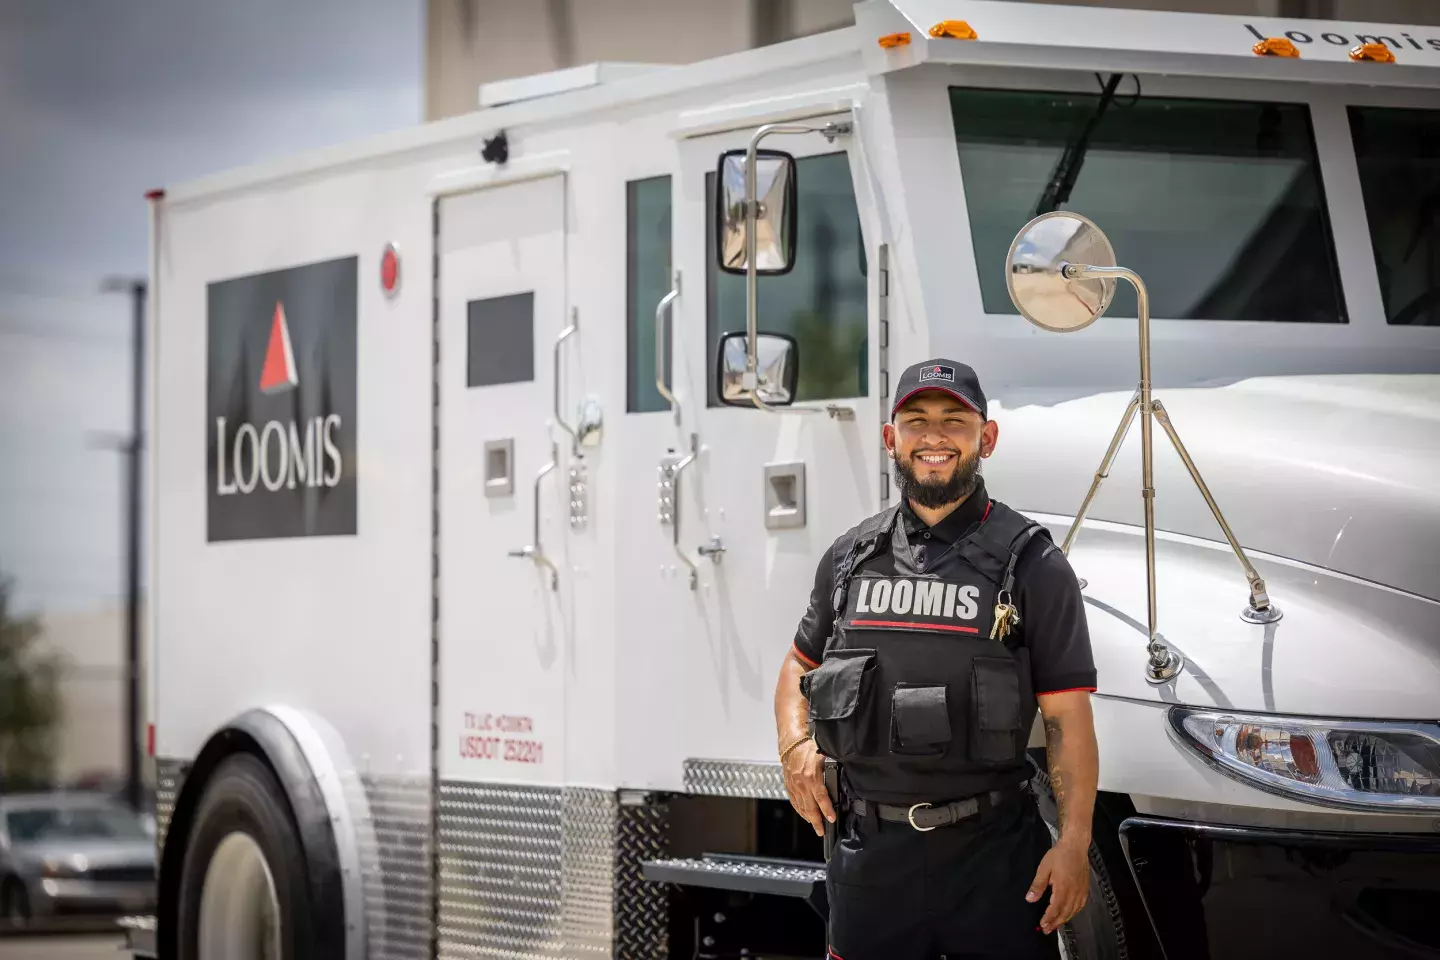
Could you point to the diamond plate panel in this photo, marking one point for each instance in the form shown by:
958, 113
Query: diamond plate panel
395, 860
169, 776
535, 872
501, 869
589, 874
641, 908
735, 778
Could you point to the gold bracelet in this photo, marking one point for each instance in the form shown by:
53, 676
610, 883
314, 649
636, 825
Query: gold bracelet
786, 752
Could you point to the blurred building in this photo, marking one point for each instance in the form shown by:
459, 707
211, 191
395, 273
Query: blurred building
470, 42
90, 743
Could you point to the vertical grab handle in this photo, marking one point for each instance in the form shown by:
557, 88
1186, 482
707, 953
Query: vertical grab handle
559, 342
661, 347
534, 551
670, 470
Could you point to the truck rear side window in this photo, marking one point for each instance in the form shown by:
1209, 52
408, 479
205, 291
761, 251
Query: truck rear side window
1217, 204
1398, 154
647, 280
821, 301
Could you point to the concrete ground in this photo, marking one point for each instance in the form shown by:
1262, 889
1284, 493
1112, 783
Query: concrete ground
103, 946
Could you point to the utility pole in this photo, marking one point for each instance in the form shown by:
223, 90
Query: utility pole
133, 448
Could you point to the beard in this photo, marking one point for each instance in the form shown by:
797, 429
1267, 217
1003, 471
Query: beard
936, 493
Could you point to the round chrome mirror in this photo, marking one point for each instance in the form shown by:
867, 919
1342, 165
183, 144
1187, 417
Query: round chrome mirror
1035, 278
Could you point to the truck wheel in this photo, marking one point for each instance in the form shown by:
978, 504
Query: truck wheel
1097, 932
14, 904
242, 882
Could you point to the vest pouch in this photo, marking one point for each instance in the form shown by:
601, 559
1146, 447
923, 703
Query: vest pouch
995, 706
839, 693
919, 720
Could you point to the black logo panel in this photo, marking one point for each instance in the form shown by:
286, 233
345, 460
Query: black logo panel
280, 408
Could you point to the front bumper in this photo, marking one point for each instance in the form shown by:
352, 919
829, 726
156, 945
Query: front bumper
1239, 892
53, 897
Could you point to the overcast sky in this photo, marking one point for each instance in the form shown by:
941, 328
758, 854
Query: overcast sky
99, 102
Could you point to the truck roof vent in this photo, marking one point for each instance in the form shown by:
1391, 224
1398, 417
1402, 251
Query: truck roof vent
561, 81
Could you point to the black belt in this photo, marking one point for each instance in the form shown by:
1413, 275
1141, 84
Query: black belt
927, 816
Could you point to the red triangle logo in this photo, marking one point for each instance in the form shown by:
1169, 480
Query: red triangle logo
278, 374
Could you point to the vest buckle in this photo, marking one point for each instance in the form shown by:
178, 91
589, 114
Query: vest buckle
910, 815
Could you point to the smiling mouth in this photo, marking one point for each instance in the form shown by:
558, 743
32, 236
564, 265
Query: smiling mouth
935, 459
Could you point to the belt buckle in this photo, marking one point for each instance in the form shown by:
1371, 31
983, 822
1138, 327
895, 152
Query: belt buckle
910, 815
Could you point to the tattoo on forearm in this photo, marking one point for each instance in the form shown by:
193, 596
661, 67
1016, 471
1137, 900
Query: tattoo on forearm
1053, 737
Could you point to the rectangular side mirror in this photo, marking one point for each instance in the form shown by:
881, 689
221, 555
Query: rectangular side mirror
777, 367
775, 221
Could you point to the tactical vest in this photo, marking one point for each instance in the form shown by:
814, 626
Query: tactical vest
912, 695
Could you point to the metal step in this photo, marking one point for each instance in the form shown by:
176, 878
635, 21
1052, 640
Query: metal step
139, 936
723, 871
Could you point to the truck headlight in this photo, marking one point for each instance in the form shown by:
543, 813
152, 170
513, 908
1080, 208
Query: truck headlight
1359, 764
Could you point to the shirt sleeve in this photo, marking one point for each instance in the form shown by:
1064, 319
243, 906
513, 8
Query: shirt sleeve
1052, 613
819, 618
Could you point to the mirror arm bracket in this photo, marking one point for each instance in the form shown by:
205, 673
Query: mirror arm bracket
751, 378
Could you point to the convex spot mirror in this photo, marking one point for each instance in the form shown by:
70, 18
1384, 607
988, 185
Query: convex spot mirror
775, 220
777, 367
1035, 278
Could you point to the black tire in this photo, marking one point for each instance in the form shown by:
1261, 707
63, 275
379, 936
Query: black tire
1097, 932
14, 905
243, 795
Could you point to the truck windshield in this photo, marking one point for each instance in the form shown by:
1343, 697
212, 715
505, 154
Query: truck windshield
1218, 204
1397, 152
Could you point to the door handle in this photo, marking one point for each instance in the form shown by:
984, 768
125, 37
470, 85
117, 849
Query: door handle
534, 551
559, 342
661, 347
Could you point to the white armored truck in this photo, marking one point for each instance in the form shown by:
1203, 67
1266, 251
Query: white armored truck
492, 460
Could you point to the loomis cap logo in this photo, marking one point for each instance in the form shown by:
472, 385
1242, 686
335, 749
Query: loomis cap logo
938, 372
278, 374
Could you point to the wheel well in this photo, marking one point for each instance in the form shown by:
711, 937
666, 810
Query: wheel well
225, 743
1111, 809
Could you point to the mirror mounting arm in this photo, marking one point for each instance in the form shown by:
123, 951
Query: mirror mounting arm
751, 378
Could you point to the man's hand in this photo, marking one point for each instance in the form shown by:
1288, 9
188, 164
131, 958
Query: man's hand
1071, 755
1066, 871
805, 783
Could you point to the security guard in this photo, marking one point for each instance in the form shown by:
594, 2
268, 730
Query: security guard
935, 630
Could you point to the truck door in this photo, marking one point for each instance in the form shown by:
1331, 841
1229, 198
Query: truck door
504, 606
769, 492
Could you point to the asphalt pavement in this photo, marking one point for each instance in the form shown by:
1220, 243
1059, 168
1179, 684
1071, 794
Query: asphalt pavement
82, 947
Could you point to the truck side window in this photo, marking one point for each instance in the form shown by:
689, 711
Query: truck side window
1397, 151
820, 302
1218, 204
647, 280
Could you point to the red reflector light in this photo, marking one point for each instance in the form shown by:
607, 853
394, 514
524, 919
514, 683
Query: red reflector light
390, 270
150, 739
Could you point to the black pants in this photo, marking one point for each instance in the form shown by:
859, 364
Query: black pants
956, 892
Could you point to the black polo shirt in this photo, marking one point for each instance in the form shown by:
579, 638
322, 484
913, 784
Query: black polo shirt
1046, 593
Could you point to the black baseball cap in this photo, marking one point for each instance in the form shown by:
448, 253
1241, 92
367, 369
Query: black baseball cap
950, 377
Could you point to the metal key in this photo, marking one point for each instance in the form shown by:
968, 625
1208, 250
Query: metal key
1001, 625
1006, 616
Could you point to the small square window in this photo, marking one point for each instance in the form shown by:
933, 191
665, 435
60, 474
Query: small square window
500, 340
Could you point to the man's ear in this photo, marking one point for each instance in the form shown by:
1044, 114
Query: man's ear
887, 432
989, 436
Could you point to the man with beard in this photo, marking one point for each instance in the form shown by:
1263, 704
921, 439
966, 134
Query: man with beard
936, 629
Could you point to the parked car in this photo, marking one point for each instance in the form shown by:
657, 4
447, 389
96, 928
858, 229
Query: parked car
67, 854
